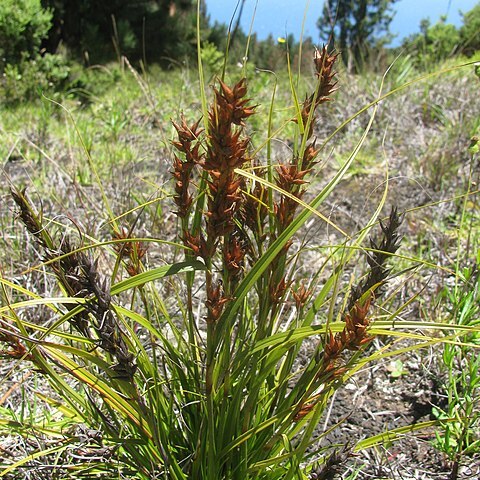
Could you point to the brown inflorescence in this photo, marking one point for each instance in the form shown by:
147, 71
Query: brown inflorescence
290, 179
111, 337
215, 302
324, 63
331, 466
132, 251
218, 153
226, 151
352, 337
29, 217
15, 349
301, 295
291, 176
234, 256
377, 259
355, 335
277, 291
188, 144
78, 275
197, 244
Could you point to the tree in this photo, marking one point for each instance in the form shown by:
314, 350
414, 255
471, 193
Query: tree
354, 25
470, 31
154, 28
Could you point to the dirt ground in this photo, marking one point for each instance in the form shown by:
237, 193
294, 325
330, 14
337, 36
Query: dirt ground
375, 401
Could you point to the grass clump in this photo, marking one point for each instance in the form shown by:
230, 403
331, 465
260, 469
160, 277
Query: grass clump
220, 362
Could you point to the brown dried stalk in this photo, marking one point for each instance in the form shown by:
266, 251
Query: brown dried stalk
77, 273
379, 272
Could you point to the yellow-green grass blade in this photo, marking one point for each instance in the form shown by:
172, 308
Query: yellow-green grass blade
117, 401
398, 434
303, 204
33, 456
156, 274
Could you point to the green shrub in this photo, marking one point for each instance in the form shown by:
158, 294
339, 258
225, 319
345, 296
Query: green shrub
212, 58
26, 73
28, 79
23, 26
435, 43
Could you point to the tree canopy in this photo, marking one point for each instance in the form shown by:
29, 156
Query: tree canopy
354, 26
470, 31
155, 28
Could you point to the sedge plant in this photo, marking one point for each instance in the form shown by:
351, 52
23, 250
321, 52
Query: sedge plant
207, 385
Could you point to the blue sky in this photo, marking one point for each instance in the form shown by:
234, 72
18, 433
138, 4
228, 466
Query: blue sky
285, 16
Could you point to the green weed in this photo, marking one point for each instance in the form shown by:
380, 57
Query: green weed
459, 437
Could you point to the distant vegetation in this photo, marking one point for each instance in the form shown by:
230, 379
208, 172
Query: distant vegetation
45, 45
435, 43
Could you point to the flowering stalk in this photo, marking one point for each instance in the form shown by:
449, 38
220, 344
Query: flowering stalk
354, 335
78, 275
226, 151
377, 259
189, 145
291, 176
329, 369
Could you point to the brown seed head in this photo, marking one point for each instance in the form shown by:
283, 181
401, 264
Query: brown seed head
189, 144
326, 86
301, 295
197, 243
324, 63
215, 302
234, 256
131, 250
